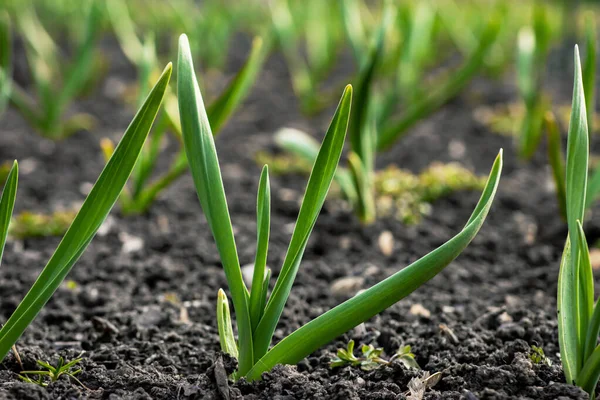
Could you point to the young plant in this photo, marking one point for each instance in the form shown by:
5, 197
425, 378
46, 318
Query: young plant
5, 60
90, 217
532, 51
257, 313
55, 87
143, 189
51, 373
357, 182
578, 317
371, 357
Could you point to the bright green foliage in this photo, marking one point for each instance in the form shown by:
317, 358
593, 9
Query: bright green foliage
5, 60
371, 357
90, 217
55, 86
142, 53
49, 373
533, 45
578, 317
537, 356
255, 357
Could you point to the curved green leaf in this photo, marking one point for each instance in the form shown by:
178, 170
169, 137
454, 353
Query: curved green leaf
204, 165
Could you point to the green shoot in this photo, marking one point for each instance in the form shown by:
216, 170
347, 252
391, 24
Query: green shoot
371, 357
5, 60
254, 345
441, 94
537, 356
578, 316
55, 86
49, 373
90, 217
143, 190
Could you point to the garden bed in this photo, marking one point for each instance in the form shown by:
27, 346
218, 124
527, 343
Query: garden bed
140, 304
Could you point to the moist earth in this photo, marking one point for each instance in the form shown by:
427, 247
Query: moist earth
140, 304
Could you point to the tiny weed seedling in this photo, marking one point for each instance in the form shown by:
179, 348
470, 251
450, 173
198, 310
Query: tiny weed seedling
82, 230
256, 312
49, 373
371, 357
537, 356
55, 87
143, 190
578, 317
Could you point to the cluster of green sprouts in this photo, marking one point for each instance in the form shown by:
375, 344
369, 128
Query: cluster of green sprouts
49, 373
55, 87
257, 311
371, 357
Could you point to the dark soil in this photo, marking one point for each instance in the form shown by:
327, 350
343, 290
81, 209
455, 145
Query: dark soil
142, 306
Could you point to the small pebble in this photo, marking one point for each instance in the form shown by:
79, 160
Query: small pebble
386, 243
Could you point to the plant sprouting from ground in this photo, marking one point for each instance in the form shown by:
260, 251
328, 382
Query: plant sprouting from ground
257, 312
145, 186
49, 373
90, 217
371, 357
369, 129
533, 44
578, 317
55, 87
537, 356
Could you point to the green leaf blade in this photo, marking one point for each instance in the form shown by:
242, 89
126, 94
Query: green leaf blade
204, 165
93, 212
7, 204
263, 226
221, 109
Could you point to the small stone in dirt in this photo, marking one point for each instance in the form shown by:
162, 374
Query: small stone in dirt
221, 378
131, 244
456, 149
595, 258
420, 311
527, 227
347, 286
106, 226
504, 318
386, 243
